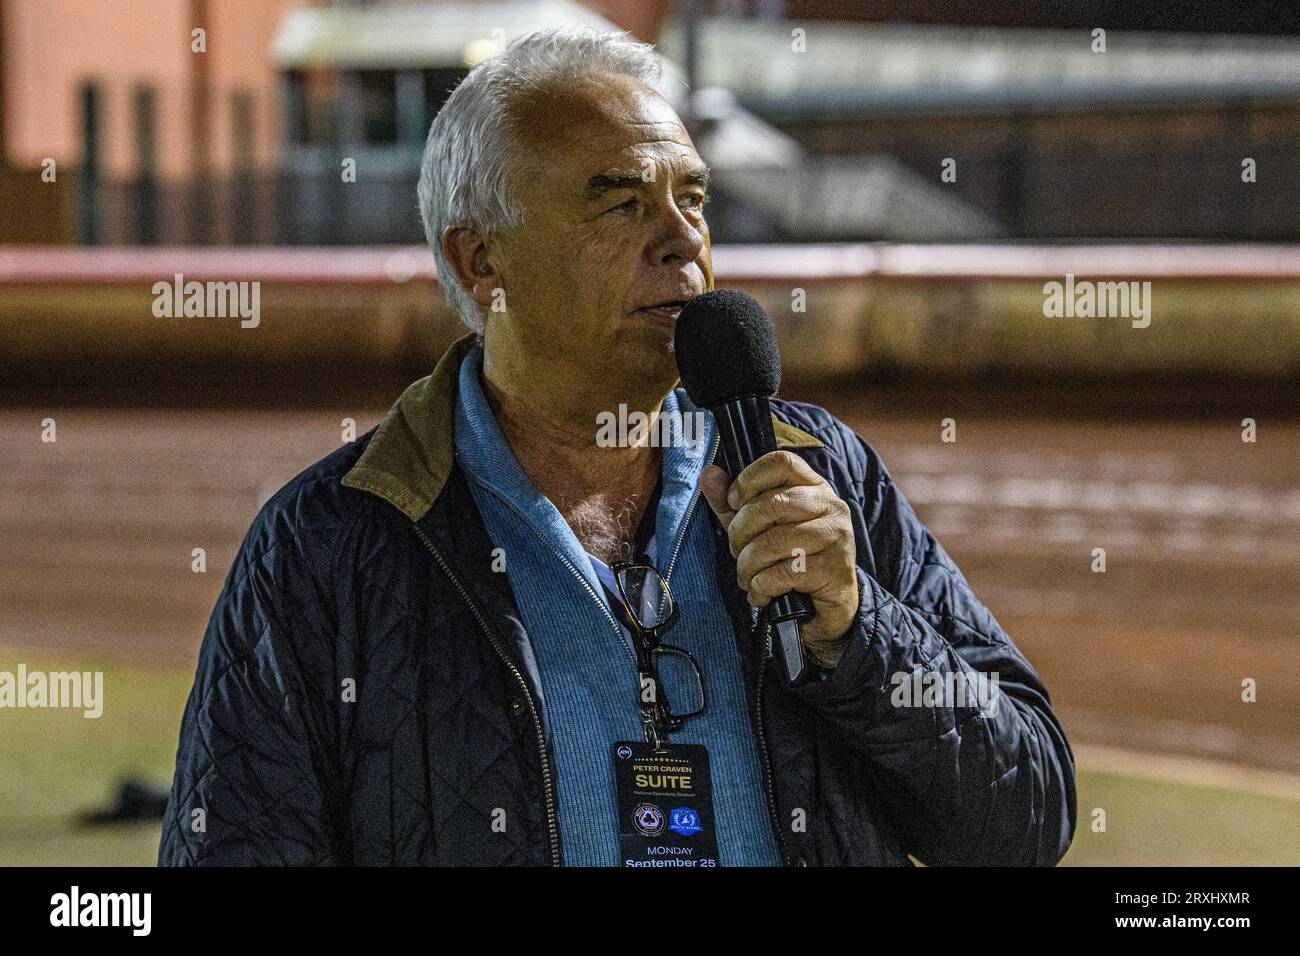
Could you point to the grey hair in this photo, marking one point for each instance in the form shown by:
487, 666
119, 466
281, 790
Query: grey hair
466, 174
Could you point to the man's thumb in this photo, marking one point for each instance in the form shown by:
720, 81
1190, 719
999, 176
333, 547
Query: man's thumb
714, 483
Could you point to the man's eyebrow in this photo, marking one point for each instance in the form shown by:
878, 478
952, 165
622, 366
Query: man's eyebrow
603, 183
699, 176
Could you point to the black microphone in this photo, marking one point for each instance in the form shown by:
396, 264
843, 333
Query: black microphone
729, 363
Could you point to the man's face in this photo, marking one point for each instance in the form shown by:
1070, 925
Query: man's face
613, 238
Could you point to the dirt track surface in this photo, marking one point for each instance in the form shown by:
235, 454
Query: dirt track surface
1201, 533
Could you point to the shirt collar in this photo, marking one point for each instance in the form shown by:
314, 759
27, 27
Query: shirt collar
686, 433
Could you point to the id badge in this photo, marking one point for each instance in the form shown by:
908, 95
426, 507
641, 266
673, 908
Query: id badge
665, 805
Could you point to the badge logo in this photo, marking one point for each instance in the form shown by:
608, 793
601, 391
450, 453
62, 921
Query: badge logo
624, 752
685, 821
648, 819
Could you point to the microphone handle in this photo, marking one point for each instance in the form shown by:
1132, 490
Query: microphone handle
745, 435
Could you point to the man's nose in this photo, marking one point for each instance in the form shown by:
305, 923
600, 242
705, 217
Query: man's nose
678, 239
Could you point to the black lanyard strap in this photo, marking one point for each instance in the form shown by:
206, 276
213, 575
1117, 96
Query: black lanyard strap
645, 529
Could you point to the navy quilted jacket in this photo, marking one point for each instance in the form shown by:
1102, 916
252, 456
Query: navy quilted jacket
360, 699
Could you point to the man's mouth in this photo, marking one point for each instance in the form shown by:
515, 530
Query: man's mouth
666, 311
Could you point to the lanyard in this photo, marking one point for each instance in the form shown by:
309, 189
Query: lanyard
646, 529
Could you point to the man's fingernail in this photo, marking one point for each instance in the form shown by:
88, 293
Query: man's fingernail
733, 499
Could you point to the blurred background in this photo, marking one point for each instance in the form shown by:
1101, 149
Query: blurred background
896, 181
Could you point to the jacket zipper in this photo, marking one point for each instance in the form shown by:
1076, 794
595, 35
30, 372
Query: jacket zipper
563, 559
763, 755
686, 521
552, 826
762, 741
618, 630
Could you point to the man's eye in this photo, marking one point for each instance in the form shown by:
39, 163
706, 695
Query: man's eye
625, 207
695, 200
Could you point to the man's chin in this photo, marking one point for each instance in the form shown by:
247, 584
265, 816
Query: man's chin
644, 350
648, 337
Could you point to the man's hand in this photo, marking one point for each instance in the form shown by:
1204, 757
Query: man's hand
789, 531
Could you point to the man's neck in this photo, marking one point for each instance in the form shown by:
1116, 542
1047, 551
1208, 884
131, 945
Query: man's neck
557, 442
601, 491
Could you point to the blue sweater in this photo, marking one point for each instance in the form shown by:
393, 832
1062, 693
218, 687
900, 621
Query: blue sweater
580, 656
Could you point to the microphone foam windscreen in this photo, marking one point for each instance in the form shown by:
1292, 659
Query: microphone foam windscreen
726, 348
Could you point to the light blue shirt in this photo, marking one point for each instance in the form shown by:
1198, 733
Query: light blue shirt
580, 656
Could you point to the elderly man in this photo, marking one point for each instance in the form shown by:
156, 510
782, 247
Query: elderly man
430, 648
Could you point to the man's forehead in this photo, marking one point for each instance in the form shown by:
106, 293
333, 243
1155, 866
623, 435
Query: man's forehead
598, 116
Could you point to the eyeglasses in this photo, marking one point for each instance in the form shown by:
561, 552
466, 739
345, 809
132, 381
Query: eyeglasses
649, 611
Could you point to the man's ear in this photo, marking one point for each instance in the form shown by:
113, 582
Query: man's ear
470, 259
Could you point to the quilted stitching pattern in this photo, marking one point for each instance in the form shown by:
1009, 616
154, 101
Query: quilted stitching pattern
436, 760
